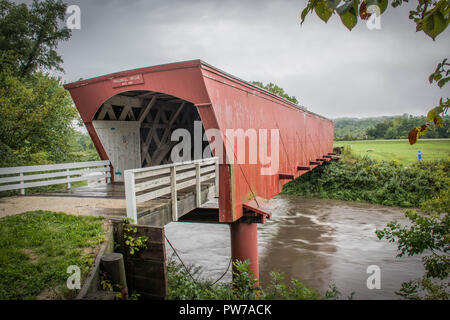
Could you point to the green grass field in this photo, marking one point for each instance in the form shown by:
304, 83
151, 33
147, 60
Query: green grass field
400, 150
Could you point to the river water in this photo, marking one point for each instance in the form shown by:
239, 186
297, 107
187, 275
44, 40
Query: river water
317, 241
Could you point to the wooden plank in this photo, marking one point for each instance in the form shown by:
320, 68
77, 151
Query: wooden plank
152, 184
284, 176
303, 168
130, 196
51, 167
208, 177
166, 180
120, 100
216, 189
151, 172
52, 182
198, 190
52, 175
145, 112
153, 195
173, 187
179, 165
103, 111
110, 111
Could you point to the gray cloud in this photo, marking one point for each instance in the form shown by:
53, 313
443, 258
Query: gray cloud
332, 71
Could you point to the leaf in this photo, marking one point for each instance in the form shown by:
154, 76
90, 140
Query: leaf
322, 11
412, 136
433, 24
348, 14
382, 4
332, 4
304, 13
431, 114
363, 14
443, 81
423, 130
438, 121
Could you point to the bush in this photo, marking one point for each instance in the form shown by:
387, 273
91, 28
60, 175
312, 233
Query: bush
367, 180
186, 285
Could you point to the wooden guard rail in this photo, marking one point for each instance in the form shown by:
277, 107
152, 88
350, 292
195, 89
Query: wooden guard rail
15, 178
149, 183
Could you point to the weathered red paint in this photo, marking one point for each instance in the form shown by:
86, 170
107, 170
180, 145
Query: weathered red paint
223, 102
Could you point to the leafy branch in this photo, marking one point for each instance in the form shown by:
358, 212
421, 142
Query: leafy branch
431, 16
434, 116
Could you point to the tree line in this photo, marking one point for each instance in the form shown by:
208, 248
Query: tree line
387, 127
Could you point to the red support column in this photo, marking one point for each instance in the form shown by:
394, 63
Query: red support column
244, 244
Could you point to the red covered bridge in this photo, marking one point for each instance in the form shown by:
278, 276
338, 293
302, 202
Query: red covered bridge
132, 115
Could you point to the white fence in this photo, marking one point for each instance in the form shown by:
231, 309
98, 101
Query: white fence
38, 176
150, 183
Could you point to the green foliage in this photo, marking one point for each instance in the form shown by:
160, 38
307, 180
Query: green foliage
431, 16
29, 35
275, 89
428, 234
366, 180
37, 123
36, 119
399, 128
243, 286
132, 242
37, 247
387, 127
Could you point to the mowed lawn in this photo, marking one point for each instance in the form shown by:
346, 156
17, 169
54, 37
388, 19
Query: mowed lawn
400, 150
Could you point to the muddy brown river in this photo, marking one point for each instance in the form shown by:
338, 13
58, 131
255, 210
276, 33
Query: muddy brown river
316, 241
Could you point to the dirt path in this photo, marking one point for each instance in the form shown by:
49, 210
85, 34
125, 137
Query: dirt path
71, 205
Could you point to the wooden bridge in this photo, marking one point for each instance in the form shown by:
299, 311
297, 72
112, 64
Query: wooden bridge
133, 115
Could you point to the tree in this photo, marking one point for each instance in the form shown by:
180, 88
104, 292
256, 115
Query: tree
431, 16
36, 113
427, 235
275, 89
29, 36
36, 117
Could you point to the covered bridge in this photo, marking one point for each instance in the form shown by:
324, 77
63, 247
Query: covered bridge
132, 116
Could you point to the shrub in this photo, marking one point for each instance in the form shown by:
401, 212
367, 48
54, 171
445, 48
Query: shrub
380, 182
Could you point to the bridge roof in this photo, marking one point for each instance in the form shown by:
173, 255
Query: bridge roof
197, 63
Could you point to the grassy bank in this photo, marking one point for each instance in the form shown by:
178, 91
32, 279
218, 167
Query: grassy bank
363, 179
400, 150
37, 247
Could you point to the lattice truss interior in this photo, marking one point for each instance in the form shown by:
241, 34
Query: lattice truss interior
159, 115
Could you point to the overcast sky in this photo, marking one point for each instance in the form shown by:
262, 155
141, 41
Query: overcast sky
332, 71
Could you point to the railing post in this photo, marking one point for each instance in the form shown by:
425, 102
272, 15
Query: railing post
198, 189
68, 177
173, 184
217, 179
22, 191
108, 180
130, 196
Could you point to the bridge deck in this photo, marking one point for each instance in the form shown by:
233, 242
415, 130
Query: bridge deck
156, 212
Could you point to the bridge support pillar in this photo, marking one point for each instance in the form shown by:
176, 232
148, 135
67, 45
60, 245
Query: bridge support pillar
244, 244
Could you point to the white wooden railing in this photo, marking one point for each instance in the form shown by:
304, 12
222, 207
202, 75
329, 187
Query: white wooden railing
15, 178
152, 182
